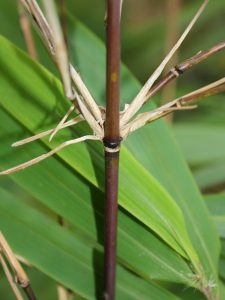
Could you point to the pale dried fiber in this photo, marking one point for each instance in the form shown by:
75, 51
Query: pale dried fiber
140, 99
60, 47
38, 136
61, 123
20, 275
10, 279
46, 155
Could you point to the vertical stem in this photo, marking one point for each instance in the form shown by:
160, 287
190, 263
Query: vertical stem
112, 143
111, 173
27, 32
63, 19
173, 8
29, 292
113, 71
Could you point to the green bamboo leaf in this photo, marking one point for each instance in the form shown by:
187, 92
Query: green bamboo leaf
203, 147
222, 268
67, 194
154, 207
200, 143
222, 288
155, 147
222, 261
211, 244
216, 206
54, 250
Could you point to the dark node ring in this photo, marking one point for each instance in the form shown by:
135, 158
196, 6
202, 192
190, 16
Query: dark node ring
112, 144
179, 70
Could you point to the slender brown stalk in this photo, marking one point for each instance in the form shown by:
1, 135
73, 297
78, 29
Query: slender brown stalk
173, 8
29, 293
18, 272
26, 30
204, 92
183, 67
112, 143
180, 103
63, 19
10, 279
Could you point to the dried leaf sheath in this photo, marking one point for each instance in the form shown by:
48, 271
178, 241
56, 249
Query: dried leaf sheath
96, 124
54, 48
50, 153
160, 110
10, 279
177, 104
139, 100
18, 272
181, 68
61, 56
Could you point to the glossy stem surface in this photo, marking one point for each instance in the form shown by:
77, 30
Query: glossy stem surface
29, 293
112, 143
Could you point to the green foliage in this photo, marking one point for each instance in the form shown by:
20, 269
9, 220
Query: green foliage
165, 233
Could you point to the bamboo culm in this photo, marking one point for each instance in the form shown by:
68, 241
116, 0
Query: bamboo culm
112, 143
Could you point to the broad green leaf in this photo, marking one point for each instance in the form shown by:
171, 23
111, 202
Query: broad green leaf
154, 207
222, 261
211, 245
222, 268
201, 143
54, 250
216, 206
155, 147
222, 288
213, 6
63, 191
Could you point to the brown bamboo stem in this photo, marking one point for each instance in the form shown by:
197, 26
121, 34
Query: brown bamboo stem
111, 190
112, 142
29, 293
183, 67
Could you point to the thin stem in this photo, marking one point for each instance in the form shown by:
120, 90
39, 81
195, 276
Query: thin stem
50, 42
29, 293
112, 142
180, 103
207, 91
10, 279
19, 273
183, 67
63, 19
27, 33
64, 293
173, 8
140, 99
111, 186
113, 70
